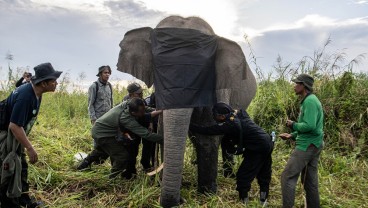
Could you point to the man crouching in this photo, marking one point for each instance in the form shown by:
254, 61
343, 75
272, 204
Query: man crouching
111, 132
250, 140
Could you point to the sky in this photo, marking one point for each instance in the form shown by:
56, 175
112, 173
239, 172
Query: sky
78, 36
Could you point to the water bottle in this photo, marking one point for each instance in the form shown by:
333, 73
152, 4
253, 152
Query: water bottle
273, 135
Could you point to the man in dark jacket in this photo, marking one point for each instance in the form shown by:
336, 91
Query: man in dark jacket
246, 138
22, 109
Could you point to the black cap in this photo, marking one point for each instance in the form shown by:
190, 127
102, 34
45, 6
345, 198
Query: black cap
222, 108
306, 79
134, 88
43, 72
101, 68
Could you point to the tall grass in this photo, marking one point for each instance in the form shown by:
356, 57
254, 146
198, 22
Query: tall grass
63, 129
344, 96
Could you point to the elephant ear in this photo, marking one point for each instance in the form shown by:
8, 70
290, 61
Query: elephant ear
235, 82
135, 55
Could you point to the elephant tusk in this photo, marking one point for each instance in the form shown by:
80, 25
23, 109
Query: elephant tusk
154, 172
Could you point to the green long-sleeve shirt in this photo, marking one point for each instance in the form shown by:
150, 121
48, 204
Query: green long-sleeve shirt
108, 125
309, 128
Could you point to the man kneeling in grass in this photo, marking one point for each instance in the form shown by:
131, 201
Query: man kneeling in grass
111, 132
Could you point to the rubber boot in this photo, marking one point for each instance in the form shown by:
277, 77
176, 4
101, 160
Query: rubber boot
263, 198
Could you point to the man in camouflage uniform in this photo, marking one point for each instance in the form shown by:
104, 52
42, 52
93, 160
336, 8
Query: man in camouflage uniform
112, 132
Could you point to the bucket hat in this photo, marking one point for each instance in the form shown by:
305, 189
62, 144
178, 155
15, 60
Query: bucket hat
43, 72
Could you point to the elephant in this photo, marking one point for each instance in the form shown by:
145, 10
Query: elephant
234, 84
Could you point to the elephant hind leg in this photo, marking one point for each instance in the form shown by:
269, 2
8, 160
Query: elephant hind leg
175, 131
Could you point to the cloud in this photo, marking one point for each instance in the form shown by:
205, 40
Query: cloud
308, 34
71, 37
309, 21
360, 2
221, 15
82, 35
130, 14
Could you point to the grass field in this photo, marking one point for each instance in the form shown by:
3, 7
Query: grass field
63, 129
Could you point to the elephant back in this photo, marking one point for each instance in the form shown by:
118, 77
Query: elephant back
195, 23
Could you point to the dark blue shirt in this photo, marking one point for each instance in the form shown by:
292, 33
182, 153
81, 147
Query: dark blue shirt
255, 139
23, 105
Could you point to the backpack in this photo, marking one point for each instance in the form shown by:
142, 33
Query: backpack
4, 117
97, 88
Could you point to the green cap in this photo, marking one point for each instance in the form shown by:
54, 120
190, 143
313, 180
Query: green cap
306, 79
134, 88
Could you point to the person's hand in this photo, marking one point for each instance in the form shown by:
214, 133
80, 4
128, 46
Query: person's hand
156, 113
150, 127
285, 136
289, 123
127, 135
32, 154
93, 122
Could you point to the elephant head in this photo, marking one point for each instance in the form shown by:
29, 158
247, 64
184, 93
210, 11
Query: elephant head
234, 84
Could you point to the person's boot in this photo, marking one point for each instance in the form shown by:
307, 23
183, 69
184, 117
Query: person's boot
263, 198
129, 174
228, 173
34, 204
29, 202
84, 165
244, 198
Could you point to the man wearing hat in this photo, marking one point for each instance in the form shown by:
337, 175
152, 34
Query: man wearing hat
307, 132
135, 90
22, 107
100, 101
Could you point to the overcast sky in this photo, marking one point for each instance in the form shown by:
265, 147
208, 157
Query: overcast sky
79, 36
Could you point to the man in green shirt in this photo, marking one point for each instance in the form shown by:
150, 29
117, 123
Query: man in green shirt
112, 132
308, 135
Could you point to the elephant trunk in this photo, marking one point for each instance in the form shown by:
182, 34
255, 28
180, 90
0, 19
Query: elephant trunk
175, 135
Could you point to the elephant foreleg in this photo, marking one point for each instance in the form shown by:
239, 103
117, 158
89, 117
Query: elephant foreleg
175, 134
207, 152
207, 158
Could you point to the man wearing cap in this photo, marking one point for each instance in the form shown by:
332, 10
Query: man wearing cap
135, 90
307, 132
100, 101
100, 94
246, 138
22, 107
112, 132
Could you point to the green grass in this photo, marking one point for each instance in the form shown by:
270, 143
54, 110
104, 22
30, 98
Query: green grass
63, 129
